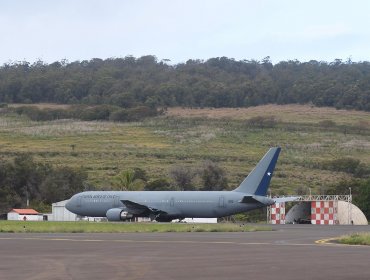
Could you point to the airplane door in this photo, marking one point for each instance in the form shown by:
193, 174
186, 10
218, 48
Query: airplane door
116, 201
172, 202
221, 202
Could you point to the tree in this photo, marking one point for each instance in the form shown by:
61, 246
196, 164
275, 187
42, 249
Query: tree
41, 183
219, 82
182, 177
363, 198
61, 183
158, 185
213, 177
126, 181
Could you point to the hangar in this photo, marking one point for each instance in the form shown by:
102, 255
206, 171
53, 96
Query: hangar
24, 215
60, 212
318, 210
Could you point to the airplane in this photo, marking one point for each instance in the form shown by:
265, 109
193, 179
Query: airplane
165, 206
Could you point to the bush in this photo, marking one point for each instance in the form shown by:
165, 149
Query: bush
141, 112
158, 185
37, 114
119, 116
86, 113
100, 112
348, 165
133, 114
327, 123
262, 122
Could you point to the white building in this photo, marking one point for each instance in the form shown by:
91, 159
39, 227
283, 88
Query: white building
60, 212
24, 215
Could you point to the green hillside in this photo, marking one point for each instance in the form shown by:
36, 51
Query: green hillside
312, 140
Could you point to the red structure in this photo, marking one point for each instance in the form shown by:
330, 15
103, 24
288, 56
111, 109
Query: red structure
278, 213
323, 212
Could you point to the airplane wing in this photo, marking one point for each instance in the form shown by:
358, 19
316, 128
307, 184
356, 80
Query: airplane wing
137, 208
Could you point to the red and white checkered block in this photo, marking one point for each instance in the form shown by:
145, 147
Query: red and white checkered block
323, 213
277, 213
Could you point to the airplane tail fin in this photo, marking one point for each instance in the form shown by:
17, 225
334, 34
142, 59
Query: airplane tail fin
259, 179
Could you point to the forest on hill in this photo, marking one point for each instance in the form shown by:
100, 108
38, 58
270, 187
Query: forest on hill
130, 82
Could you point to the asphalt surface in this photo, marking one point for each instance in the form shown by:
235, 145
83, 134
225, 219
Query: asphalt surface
289, 252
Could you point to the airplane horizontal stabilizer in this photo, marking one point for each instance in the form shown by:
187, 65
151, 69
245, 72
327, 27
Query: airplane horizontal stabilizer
257, 199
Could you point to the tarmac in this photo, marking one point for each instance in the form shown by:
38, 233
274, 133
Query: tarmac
288, 252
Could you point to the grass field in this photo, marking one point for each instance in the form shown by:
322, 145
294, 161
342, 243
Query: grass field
191, 136
105, 227
356, 239
285, 113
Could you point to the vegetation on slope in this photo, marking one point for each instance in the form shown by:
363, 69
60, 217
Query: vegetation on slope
323, 149
218, 82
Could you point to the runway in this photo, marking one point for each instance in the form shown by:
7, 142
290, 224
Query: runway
288, 252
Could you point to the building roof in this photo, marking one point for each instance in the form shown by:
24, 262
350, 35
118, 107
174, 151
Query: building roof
25, 211
60, 203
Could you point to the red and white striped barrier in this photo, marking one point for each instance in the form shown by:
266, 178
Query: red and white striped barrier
323, 213
277, 214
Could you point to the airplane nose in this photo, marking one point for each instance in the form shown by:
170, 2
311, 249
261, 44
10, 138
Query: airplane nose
69, 204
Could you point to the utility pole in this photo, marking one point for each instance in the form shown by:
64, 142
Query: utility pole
27, 198
350, 206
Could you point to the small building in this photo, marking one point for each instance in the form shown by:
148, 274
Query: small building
24, 215
60, 212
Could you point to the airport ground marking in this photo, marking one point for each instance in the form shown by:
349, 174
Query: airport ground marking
331, 242
166, 241
320, 242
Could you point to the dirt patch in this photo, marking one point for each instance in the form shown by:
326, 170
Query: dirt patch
42, 105
285, 113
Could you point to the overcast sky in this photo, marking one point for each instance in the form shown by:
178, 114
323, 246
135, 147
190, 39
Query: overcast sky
182, 30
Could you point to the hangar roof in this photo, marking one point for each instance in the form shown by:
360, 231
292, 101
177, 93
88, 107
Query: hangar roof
25, 211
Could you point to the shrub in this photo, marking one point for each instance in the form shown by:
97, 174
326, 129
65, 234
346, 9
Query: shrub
262, 122
100, 112
327, 123
348, 165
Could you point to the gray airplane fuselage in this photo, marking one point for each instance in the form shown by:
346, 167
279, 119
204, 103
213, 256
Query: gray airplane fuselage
169, 205
177, 204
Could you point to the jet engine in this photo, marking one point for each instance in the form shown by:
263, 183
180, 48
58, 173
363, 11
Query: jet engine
118, 214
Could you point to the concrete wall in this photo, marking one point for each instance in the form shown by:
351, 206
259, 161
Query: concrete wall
16, 217
12, 216
348, 212
60, 213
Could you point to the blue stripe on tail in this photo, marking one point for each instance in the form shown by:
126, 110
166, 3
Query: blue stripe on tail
259, 179
265, 182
